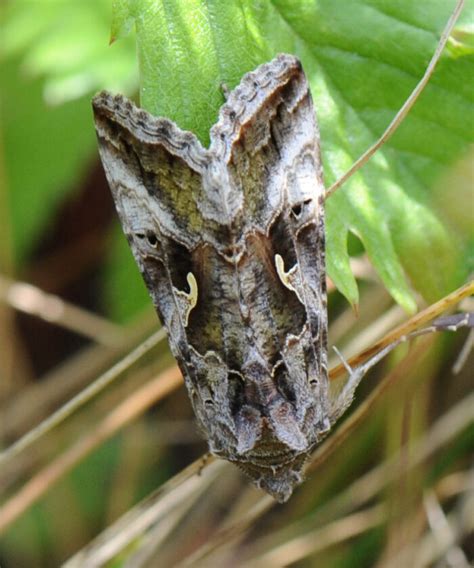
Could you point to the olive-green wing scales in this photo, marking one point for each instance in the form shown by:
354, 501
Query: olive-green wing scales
268, 138
155, 173
230, 242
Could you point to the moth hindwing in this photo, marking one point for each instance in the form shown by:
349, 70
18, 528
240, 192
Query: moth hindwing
230, 243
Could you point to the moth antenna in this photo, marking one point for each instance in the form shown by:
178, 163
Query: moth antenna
345, 397
464, 353
356, 374
225, 90
392, 127
343, 360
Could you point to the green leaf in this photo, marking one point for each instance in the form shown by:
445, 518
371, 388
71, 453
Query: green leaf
363, 58
187, 51
46, 153
125, 290
122, 18
54, 54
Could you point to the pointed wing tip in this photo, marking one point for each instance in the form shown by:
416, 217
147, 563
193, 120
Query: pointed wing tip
107, 101
287, 59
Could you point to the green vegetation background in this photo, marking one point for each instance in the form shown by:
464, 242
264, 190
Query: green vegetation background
407, 209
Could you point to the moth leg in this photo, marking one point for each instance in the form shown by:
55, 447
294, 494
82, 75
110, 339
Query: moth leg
204, 461
225, 90
344, 399
452, 322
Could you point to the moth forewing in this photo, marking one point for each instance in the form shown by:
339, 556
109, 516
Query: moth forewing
230, 242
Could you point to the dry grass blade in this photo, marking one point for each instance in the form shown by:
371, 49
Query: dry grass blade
149, 513
53, 309
443, 532
439, 544
414, 323
230, 534
152, 513
332, 533
36, 400
84, 396
134, 406
284, 548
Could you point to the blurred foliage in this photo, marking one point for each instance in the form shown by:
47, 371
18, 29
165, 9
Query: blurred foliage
54, 54
362, 62
408, 207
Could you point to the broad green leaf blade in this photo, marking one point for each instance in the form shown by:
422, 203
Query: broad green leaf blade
363, 58
53, 55
187, 51
43, 161
122, 18
125, 290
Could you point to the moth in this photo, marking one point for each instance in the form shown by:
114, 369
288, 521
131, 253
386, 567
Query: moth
230, 241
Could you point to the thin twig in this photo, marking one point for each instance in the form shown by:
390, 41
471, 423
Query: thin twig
32, 300
336, 532
392, 127
124, 413
417, 321
84, 396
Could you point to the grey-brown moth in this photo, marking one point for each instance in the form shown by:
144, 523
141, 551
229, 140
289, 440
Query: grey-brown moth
230, 242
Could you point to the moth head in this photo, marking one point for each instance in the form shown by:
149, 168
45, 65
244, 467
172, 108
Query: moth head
280, 485
277, 481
